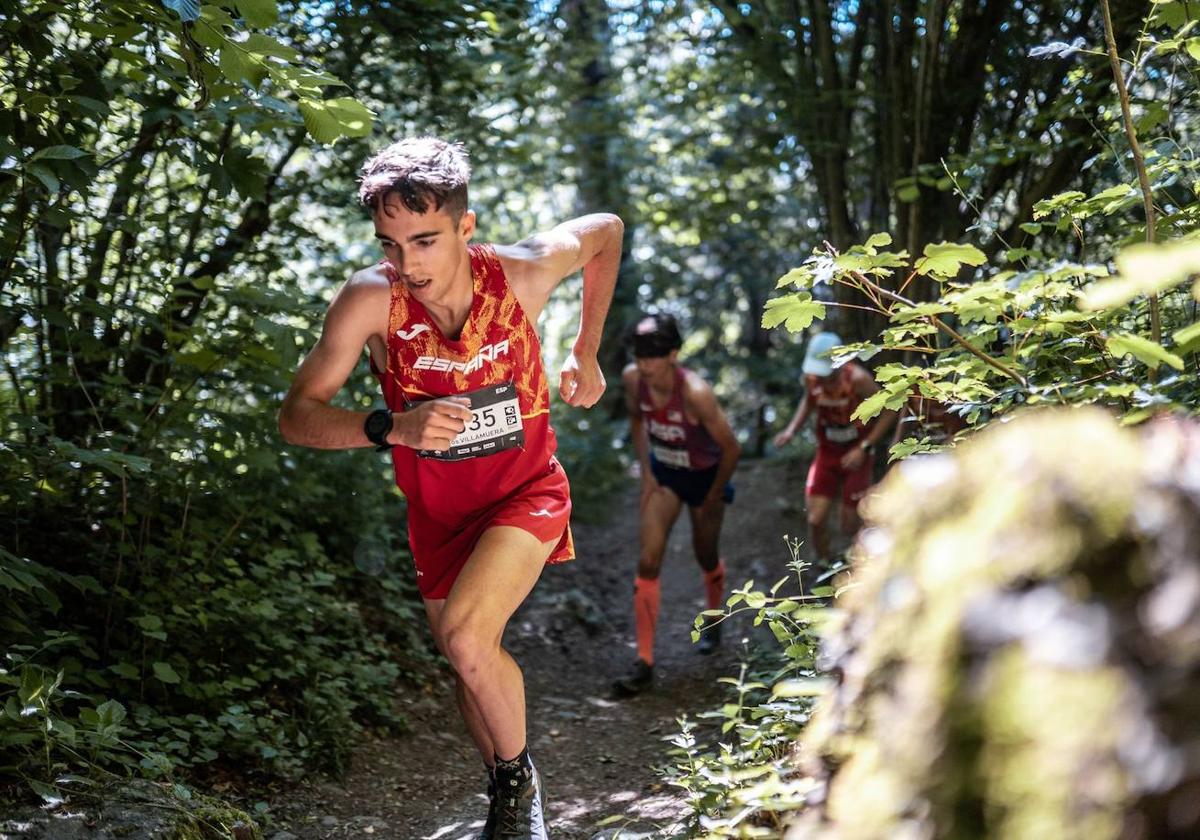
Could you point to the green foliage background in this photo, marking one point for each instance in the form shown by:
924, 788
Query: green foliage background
175, 211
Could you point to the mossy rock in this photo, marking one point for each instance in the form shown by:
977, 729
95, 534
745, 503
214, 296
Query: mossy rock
137, 810
1019, 656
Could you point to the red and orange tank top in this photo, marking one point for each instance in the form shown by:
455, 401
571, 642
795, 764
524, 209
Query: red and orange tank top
834, 401
497, 362
674, 440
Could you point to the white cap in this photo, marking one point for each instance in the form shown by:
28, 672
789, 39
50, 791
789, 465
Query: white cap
816, 357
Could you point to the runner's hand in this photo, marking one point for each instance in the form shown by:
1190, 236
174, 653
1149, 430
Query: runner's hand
431, 425
783, 438
581, 382
711, 503
853, 459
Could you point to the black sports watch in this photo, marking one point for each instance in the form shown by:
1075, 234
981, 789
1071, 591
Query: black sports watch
378, 426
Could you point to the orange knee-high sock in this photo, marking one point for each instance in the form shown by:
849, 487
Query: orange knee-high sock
645, 610
714, 585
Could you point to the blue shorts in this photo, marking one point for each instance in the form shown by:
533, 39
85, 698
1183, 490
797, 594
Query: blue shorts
689, 485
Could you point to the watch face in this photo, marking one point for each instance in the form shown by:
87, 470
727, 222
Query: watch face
379, 424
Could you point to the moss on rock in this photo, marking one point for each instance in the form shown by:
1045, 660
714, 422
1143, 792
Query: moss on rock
1020, 654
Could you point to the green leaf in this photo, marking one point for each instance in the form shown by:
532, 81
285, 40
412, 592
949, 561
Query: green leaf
805, 687
58, 153
110, 713
1187, 339
322, 125
238, 65
801, 277
261, 44
165, 673
878, 240
258, 13
921, 310
1193, 48
1031, 228
354, 117
1144, 350
796, 312
944, 259
1145, 269
45, 175
871, 406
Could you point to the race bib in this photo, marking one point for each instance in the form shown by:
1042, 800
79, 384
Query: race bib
841, 434
671, 457
495, 426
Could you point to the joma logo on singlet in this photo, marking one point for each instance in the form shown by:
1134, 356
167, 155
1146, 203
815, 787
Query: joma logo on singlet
667, 432
488, 353
414, 332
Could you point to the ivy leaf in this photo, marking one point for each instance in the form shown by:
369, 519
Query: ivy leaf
188, 10
1144, 350
796, 312
165, 673
258, 13
944, 259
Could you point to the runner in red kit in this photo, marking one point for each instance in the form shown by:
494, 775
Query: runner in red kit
450, 329
687, 452
843, 464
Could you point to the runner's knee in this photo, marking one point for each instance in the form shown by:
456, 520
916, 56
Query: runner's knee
468, 648
649, 566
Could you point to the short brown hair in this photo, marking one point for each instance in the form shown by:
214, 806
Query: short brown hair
420, 171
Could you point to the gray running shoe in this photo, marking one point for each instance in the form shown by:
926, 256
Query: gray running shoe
519, 811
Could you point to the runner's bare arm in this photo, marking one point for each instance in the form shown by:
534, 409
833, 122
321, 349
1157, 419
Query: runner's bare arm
797, 422
306, 418
702, 403
537, 264
637, 425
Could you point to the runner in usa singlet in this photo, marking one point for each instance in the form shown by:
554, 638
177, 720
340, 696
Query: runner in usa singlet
501, 469
674, 440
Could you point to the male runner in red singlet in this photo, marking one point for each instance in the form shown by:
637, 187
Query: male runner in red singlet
844, 459
925, 418
450, 329
687, 453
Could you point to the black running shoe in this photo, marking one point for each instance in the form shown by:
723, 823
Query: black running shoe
489, 827
710, 639
519, 812
636, 681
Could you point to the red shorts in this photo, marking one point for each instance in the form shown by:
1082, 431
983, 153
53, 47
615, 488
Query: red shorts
441, 549
827, 473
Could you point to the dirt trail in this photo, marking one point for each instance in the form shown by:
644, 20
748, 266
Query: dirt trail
572, 636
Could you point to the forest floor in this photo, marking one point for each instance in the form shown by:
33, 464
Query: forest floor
572, 637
